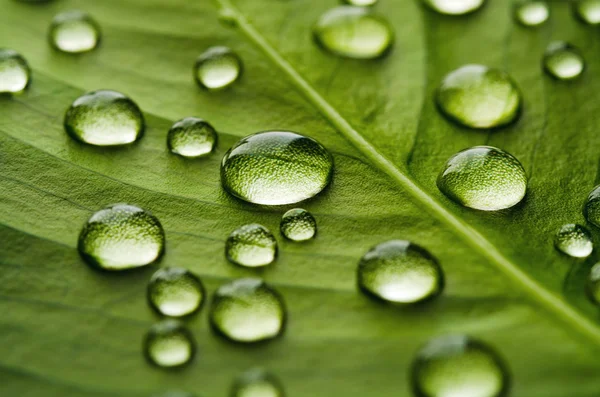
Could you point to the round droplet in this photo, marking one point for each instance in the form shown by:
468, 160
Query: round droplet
454, 7
217, 68
532, 13
104, 118
247, 310
360, 3
458, 366
298, 225
14, 72
594, 284
192, 137
276, 168
484, 178
588, 11
398, 271
257, 383
175, 292
251, 246
591, 209
563, 61
354, 32
74, 32
479, 97
574, 240
169, 344
121, 237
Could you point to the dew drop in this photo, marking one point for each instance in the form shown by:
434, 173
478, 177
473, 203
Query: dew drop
360, 3
588, 11
593, 286
257, 383
247, 310
121, 237
276, 168
104, 118
563, 61
175, 292
192, 137
454, 7
574, 240
217, 68
591, 209
74, 32
14, 72
532, 13
354, 32
479, 97
298, 225
169, 344
251, 246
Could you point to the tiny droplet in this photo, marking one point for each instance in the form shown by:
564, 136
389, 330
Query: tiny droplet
563, 61
532, 12
217, 68
257, 383
588, 11
360, 3
74, 32
298, 225
14, 72
454, 7
251, 245
175, 292
192, 137
591, 209
593, 286
169, 344
574, 240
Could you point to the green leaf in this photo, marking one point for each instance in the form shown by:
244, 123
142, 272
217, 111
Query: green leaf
67, 330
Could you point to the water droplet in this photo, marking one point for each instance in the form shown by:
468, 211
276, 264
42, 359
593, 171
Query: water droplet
192, 137
298, 225
398, 271
354, 32
257, 383
574, 240
175, 292
169, 344
276, 168
459, 366
14, 72
251, 246
532, 13
74, 32
454, 7
591, 209
217, 68
588, 11
104, 118
594, 284
563, 61
479, 97
247, 310
121, 237
360, 3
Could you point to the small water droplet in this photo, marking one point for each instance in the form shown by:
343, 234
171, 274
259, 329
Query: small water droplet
247, 310
276, 168
593, 285
360, 3
354, 32
217, 68
479, 97
532, 13
563, 61
175, 292
74, 32
459, 366
454, 7
588, 11
298, 225
169, 344
398, 271
121, 237
574, 240
104, 118
14, 72
257, 383
192, 137
228, 17
484, 178
591, 209
251, 246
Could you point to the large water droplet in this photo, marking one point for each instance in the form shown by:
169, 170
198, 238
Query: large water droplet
257, 383
14, 72
563, 61
457, 366
169, 344
175, 292
454, 7
104, 118
479, 97
588, 11
574, 240
74, 32
217, 68
400, 272
354, 32
121, 237
360, 3
251, 246
532, 12
192, 137
484, 178
593, 285
276, 168
298, 225
247, 310
591, 209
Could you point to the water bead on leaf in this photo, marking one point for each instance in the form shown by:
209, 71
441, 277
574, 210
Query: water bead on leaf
251, 245
454, 7
169, 344
74, 32
217, 68
175, 292
574, 240
532, 12
298, 225
594, 284
591, 209
256, 383
563, 61
588, 11
14, 72
191, 137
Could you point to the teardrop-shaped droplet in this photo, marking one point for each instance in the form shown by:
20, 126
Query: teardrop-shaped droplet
484, 178
298, 225
121, 237
398, 271
574, 240
454, 7
74, 32
588, 11
247, 310
591, 209
169, 344
192, 137
563, 61
175, 292
257, 383
276, 168
532, 12
459, 366
14, 72
104, 118
251, 246
479, 97
354, 32
217, 68
593, 286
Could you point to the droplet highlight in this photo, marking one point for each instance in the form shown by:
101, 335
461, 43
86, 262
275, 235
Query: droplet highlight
563, 61
588, 11
175, 292
454, 7
217, 68
14, 72
169, 344
532, 13
360, 3
574, 240
298, 225
591, 209
74, 32
593, 285
191, 137
257, 383
251, 246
